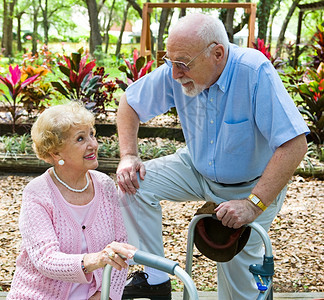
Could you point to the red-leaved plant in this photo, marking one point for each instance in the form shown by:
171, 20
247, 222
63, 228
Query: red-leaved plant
312, 91
77, 70
15, 83
91, 87
134, 70
260, 45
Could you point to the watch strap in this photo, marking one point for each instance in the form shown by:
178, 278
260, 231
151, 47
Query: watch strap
257, 201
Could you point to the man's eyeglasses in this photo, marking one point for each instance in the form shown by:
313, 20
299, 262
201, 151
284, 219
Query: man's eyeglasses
181, 65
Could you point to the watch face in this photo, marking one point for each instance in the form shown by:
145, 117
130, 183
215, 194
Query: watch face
255, 200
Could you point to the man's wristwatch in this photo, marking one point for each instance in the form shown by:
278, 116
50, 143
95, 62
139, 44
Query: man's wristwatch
256, 201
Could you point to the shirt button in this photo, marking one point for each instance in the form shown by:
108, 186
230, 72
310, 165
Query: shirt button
212, 141
211, 99
211, 122
210, 163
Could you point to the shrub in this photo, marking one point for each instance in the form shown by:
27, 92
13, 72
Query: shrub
312, 91
134, 70
16, 83
92, 88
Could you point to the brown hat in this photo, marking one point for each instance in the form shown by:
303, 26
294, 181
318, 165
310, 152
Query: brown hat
216, 241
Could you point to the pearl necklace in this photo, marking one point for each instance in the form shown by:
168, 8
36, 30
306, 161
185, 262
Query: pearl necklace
68, 187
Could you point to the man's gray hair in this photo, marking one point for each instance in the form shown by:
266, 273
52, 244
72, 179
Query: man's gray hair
208, 28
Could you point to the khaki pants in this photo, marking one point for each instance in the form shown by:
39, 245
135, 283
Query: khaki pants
174, 178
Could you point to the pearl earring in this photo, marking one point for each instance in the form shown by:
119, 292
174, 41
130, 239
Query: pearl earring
61, 162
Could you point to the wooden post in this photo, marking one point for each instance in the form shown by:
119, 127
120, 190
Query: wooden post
145, 35
251, 25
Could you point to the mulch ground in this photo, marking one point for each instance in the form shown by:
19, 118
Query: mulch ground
296, 235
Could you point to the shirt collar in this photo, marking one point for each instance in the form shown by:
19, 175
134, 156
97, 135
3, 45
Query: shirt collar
223, 80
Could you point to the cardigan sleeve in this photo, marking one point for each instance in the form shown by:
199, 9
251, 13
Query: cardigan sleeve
41, 243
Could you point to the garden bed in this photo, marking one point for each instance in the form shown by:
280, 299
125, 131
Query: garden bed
17, 164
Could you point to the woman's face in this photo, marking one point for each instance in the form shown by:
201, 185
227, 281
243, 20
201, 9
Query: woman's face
80, 149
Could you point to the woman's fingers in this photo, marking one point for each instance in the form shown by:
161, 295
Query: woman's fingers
124, 249
117, 253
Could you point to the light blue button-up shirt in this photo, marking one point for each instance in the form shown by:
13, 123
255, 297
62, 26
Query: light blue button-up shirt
233, 128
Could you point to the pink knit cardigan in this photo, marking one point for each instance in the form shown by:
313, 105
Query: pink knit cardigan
50, 259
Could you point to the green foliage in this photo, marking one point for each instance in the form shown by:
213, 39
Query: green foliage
113, 39
306, 86
312, 92
44, 57
147, 149
291, 78
16, 144
314, 151
108, 146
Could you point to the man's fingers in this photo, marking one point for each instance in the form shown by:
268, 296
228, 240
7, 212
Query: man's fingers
133, 179
125, 182
142, 172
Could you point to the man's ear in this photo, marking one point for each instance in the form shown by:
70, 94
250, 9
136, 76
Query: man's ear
219, 52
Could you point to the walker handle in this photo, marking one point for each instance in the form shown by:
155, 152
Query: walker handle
155, 261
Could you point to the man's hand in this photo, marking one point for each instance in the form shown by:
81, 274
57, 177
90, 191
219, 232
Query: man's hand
236, 213
128, 166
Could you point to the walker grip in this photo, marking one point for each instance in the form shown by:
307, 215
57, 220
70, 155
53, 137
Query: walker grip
155, 261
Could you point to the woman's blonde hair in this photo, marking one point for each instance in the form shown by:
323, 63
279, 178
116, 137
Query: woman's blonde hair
51, 128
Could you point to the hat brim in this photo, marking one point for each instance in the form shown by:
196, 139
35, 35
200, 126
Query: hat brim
216, 241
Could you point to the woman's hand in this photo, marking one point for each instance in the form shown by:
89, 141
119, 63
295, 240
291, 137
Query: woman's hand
108, 255
96, 296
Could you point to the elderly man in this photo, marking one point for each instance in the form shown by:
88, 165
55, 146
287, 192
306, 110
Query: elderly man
244, 139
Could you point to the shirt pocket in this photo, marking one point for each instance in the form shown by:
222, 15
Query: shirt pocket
237, 138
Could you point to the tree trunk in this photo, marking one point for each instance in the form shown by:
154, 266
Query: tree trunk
45, 19
122, 29
263, 14
108, 26
35, 26
4, 24
183, 10
7, 39
136, 7
229, 20
284, 26
19, 45
163, 22
244, 21
227, 17
95, 36
273, 15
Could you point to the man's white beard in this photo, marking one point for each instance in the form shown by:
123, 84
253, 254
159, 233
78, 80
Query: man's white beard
191, 91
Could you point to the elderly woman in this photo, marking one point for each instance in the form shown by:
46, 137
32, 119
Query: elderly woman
70, 221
